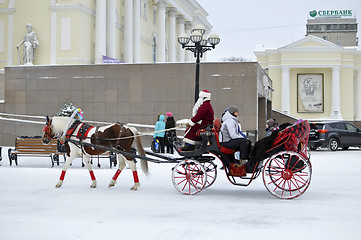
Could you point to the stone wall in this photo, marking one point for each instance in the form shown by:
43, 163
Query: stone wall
125, 93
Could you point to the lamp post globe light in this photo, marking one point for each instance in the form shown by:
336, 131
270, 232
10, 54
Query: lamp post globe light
198, 44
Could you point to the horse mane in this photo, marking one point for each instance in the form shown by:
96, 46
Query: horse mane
59, 123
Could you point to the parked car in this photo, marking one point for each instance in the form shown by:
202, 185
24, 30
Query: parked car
334, 135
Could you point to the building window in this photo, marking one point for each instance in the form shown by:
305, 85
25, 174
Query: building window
311, 28
154, 46
154, 15
145, 9
338, 40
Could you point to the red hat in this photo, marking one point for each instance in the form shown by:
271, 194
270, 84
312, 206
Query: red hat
205, 94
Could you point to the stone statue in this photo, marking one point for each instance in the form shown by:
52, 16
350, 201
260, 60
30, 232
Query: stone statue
30, 44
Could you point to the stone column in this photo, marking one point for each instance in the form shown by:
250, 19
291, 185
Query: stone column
188, 28
180, 30
128, 32
335, 95
53, 35
100, 30
161, 5
136, 31
172, 13
285, 94
358, 96
111, 29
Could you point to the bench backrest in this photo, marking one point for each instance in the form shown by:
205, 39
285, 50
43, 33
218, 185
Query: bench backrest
35, 145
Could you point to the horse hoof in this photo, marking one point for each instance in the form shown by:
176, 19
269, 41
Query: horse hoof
112, 183
93, 186
135, 187
58, 185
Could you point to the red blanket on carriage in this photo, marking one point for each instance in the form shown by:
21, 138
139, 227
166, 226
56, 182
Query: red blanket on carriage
288, 137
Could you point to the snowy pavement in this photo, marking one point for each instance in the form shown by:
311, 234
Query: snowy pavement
32, 208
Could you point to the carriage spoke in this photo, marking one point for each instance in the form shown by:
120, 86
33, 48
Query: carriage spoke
289, 174
189, 177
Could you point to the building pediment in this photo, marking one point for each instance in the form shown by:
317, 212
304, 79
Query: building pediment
311, 42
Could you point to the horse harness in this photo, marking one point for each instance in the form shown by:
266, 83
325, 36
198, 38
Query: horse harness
82, 132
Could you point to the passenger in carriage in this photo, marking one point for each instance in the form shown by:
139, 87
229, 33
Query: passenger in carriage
202, 115
231, 135
271, 124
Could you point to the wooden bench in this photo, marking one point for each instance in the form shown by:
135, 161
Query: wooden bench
33, 146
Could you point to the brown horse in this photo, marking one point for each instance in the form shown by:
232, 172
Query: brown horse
115, 135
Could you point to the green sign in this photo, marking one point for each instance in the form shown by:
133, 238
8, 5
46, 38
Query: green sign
331, 13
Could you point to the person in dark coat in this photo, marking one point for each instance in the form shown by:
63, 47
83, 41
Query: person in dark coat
270, 126
202, 115
170, 134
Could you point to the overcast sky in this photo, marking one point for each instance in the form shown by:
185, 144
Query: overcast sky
242, 24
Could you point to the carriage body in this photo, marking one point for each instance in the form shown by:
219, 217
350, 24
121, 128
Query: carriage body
284, 163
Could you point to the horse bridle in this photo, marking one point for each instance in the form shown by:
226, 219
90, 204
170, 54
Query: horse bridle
48, 130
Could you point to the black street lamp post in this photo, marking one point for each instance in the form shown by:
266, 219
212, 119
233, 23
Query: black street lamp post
198, 46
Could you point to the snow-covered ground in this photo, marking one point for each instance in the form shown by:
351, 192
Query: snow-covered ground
32, 208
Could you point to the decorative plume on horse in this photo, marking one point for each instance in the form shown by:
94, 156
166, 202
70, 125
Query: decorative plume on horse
81, 138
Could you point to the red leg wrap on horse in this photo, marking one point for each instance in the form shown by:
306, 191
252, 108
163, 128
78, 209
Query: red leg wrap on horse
116, 175
62, 175
92, 175
135, 175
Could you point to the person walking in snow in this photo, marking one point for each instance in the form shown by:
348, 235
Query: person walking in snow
159, 131
170, 135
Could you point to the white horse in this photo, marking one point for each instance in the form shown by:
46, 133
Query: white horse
115, 135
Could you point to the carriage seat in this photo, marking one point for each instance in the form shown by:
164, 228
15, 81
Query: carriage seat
217, 127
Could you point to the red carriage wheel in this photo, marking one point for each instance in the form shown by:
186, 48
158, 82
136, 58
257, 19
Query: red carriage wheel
189, 177
211, 170
287, 175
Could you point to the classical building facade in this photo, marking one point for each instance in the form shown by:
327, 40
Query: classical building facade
83, 31
315, 79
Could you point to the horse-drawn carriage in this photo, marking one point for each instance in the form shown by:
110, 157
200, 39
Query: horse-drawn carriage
281, 158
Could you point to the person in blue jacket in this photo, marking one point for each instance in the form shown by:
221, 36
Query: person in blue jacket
159, 131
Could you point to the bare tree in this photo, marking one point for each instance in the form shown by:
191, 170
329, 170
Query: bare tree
236, 59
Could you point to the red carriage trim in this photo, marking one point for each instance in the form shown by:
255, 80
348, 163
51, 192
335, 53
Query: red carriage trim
294, 138
217, 128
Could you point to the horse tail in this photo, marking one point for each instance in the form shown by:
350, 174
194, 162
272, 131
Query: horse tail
140, 149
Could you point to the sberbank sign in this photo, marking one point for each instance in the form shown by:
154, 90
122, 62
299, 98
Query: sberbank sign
331, 13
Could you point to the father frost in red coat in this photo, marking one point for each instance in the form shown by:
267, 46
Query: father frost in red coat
202, 115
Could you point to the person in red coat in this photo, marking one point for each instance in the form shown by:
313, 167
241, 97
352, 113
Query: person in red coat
202, 115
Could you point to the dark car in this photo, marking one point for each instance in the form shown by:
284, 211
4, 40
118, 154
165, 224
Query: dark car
334, 135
